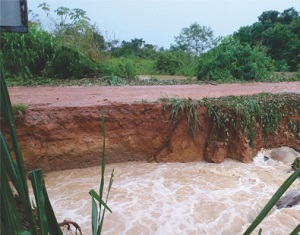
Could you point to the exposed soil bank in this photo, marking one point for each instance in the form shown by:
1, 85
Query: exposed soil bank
63, 135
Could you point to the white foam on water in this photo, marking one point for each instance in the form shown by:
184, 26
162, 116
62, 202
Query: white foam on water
177, 198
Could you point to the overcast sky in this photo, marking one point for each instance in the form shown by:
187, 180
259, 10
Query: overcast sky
158, 21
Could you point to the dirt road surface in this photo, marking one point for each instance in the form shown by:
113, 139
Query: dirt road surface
96, 95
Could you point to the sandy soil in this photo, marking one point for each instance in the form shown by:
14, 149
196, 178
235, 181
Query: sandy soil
88, 96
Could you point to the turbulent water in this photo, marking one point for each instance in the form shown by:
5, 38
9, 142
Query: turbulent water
177, 198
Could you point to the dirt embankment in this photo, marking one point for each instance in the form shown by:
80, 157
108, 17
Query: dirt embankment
61, 131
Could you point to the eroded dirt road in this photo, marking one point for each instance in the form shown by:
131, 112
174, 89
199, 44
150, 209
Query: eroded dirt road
89, 96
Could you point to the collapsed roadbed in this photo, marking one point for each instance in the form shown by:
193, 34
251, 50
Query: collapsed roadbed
61, 129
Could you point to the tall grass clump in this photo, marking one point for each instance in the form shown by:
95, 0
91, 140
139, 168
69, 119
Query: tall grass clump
18, 215
27, 55
13, 179
121, 67
240, 112
188, 107
98, 211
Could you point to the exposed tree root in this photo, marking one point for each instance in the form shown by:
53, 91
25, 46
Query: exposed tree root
68, 224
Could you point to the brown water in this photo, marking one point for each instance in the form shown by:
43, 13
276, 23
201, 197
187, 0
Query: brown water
177, 198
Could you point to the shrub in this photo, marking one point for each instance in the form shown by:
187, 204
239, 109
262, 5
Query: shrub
168, 63
121, 67
233, 60
69, 63
26, 54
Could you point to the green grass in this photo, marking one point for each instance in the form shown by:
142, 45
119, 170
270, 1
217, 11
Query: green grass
233, 113
19, 107
13, 178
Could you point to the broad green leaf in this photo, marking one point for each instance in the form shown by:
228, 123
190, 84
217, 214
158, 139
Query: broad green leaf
296, 231
21, 187
36, 181
97, 197
48, 222
53, 227
94, 216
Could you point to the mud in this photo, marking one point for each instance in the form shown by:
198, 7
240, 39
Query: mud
62, 127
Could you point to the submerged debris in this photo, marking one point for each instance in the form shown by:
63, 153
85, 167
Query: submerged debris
289, 200
67, 224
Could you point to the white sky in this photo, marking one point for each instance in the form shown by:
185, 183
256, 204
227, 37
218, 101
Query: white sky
158, 21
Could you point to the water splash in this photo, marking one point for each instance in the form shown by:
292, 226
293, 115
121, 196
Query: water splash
177, 198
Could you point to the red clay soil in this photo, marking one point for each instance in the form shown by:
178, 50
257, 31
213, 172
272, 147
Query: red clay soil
62, 127
90, 96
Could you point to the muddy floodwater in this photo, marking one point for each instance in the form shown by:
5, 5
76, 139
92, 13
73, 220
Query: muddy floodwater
177, 198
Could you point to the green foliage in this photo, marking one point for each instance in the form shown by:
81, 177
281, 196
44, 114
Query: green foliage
19, 109
145, 66
70, 63
27, 54
74, 30
266, 109
121, 67
98, 211
168, 63
279, 33
233, 60
12, 171
195, 39
273, 202
296, 163
228, 113
190, 108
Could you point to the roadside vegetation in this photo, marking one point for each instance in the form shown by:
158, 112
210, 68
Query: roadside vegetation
73, 51
239, 113
19, 213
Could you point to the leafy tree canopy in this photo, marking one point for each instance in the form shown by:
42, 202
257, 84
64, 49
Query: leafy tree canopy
195, 39
234, 60
279, 33
135, 48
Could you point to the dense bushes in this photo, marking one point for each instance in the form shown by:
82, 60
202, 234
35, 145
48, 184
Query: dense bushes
39, 53
121, 67
233, 60
279, 33
167, 63
75, 48
27, 54
69, 63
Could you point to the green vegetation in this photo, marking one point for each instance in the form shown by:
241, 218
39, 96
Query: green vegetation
228, 113
273, 202
195, 39
279, 34
232, 60
19, 109
296, 164
186, 106
98, 211
231, 112
13, 171
18, 215
74, 48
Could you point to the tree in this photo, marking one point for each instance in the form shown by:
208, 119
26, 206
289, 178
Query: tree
268, 17
74, 30
135, 48
279, 33
195, 39
234, 60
